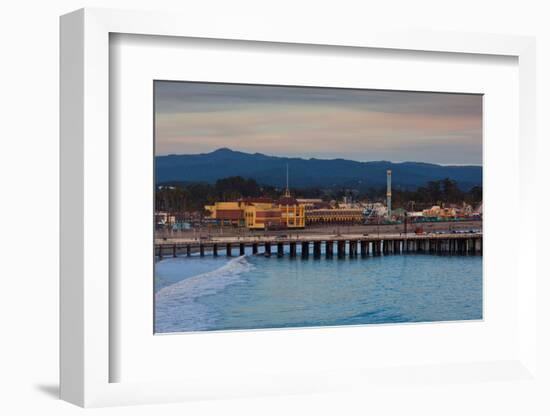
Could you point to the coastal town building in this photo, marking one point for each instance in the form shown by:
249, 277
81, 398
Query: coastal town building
262, 213
259, 213
227, 213
335, 216
439, 212
312, 203
292, 212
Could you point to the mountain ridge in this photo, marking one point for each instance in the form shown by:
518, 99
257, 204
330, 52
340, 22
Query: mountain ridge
306, 173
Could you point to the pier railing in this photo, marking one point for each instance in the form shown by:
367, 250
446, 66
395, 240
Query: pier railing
334, 245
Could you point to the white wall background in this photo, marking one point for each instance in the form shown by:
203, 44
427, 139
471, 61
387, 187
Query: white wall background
29, 203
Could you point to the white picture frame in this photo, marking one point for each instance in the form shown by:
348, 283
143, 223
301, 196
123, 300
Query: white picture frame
86, 334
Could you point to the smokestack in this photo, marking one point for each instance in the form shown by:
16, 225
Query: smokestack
388, 192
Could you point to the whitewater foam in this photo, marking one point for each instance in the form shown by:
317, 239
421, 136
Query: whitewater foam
176, 306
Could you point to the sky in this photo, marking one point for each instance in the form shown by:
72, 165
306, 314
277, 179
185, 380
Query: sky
325, 123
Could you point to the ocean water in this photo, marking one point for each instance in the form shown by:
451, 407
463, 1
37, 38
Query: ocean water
253, 292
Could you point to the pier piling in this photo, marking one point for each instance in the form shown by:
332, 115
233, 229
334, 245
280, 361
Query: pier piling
305, 249
280, 250
316, 249
329, 249
341, 246
364, 248
292, 247
353, 248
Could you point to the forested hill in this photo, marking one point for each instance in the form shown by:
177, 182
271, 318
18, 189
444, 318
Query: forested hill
307, 173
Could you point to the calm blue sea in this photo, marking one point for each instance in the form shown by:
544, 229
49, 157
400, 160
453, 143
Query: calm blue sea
251, 292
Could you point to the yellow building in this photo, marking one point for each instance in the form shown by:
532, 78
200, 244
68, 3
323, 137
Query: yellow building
262, 216
335, 216
227, 213
293, 214
259, 213
311, 203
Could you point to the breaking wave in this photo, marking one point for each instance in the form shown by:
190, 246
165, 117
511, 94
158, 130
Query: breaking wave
176, 306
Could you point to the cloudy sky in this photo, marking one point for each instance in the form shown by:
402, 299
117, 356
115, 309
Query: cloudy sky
325, 123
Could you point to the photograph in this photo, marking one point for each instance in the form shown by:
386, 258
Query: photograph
282, 206
260, 209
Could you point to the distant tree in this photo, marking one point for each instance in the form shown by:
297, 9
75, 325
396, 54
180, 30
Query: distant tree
236, 187
451, 193
474, 196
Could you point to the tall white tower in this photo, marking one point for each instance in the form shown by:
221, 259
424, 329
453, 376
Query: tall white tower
388, 192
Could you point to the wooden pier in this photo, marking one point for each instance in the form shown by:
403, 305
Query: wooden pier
351, 246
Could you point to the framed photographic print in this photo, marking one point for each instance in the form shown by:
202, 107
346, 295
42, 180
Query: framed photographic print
268, 212
313, 217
